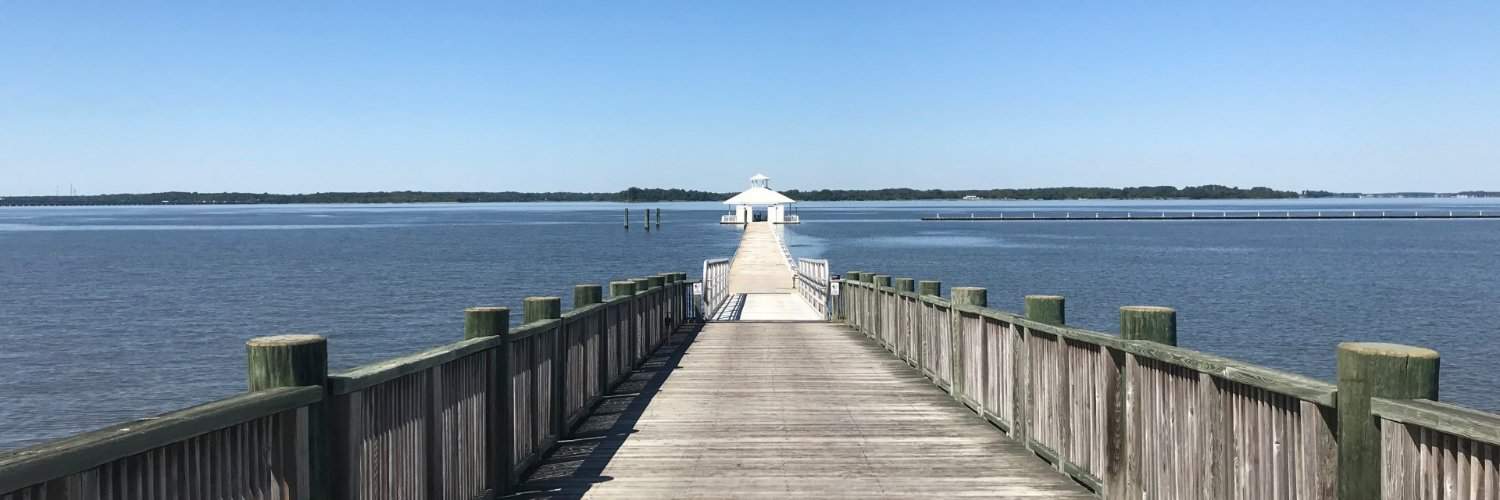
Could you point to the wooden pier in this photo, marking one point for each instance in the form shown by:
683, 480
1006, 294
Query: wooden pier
872, 386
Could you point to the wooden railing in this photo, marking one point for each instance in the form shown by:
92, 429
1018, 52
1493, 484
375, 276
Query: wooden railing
464, 420
185, 454
1133, 416
811, 284
1432, 450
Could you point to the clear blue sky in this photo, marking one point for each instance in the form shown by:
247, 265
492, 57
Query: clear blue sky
309, 96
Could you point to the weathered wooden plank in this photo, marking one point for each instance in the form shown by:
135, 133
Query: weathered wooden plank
1439, 416
789, 410
79, 453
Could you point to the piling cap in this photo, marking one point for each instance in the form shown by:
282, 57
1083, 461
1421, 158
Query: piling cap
285, 340
1159, 309
1388, 350
485, 309
1048, 297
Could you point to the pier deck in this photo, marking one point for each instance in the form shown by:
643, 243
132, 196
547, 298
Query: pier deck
761, 272
787, 410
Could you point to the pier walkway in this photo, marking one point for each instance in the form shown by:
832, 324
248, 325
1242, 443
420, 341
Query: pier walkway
789, 407
760, 271
787, 410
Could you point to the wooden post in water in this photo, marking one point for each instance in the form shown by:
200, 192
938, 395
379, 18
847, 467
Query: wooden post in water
541, 308
1368, 370
648, 218
1156, 324
298, 361
627, 218
1046, 309
927, 287
658, 218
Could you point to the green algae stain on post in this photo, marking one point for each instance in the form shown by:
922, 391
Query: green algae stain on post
621, 288
486, 322
906, 284
1156, 324
587, 295
1367, 370
970, 296
1049, 309
287, 361
928, 287
295, 361
541, 308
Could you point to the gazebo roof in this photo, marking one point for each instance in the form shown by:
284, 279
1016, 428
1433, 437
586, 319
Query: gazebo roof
759, 196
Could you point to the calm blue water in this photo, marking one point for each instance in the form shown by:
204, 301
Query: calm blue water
116, 313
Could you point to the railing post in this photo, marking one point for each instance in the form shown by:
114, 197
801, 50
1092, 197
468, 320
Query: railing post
587, 295
298, 361
1368, 370
966, 296
906, 285
883, 280
1049, 309
1144, 323
933, 288
538, 309
626, 349
1155, 324
495, 322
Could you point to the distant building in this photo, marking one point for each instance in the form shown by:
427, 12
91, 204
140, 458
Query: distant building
759, 203
972, 198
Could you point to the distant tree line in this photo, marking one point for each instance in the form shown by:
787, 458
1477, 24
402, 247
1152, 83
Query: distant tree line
1205, 192
646, 195
193, 198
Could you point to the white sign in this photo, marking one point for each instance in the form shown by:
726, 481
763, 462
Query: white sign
698, 288
833, 288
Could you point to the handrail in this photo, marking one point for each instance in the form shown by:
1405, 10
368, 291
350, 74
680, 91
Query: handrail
75, 454
1447, 418
1102, 407
460, 420
812, 284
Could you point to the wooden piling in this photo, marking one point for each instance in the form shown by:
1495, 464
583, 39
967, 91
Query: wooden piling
541, 308
658, 218
1367, 370
486, 322
927, 287
587, 295
621, 288
1047, 309
1156, 324
653, 281
627, 218
298, 361
883, 280
970, 296
906, 284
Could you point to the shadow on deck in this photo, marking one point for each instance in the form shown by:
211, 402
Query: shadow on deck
577, 463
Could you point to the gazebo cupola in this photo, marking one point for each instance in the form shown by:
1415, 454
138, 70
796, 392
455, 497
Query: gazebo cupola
759, 203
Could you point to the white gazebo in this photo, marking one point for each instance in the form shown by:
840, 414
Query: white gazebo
759, 203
